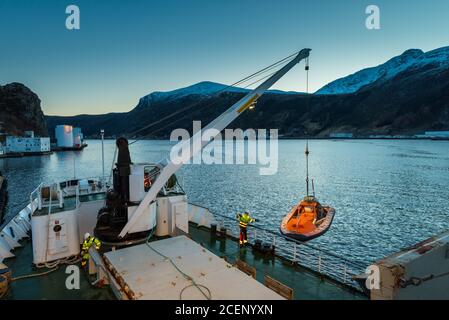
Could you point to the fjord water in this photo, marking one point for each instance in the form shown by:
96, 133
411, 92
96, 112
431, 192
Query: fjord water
388, 194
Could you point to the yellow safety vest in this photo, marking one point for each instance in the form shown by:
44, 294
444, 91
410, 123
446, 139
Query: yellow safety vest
89, 242
244, 220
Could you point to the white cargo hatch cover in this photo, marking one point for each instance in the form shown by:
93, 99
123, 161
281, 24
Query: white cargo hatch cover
150, 276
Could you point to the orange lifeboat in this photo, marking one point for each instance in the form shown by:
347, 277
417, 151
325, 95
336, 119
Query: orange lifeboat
308, 219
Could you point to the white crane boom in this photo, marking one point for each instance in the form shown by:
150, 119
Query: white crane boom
196, 142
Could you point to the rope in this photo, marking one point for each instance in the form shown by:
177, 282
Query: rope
52, 266
416, 281
208, 296
32, 275
307, 74
112, 165
198, 286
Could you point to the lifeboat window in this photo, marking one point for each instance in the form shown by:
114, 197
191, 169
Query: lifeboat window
308, 209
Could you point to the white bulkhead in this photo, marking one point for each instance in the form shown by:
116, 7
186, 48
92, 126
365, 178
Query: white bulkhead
136, 183
55, 236
171, 213
147, 221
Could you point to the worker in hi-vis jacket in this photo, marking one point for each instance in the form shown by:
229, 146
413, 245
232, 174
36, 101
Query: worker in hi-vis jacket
88, 242
244, 219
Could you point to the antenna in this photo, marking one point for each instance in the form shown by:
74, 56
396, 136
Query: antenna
307, 167
102, 153
313, 188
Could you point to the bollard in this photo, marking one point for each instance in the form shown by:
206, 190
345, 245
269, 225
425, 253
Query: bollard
213, 229
223, 232
257, 245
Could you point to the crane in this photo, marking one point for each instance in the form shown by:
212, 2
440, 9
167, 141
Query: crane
196, 143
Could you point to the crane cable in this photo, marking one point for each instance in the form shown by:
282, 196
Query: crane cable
307, 68
264, 70
416, 281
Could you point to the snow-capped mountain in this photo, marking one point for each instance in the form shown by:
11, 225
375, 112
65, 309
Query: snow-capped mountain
204, 88
407, 95
408, 61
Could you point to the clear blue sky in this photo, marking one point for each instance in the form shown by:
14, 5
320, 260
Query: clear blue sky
127, 49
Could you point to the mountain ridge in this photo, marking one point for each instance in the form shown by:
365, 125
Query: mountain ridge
411, 58
406, 95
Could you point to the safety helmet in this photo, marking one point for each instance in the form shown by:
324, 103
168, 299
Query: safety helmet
86, 235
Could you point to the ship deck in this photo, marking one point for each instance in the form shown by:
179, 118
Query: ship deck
306, 285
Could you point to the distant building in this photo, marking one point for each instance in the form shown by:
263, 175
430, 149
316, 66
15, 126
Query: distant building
27, 144
437, 134
341, 135
434, 135
68, 137
77, 137
64, 136
29, 134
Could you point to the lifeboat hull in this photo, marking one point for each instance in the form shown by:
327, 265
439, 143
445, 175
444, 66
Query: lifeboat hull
312, 234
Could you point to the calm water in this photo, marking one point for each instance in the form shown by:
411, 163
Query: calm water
388, 194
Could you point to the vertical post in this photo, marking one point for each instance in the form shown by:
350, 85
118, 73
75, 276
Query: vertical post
307, 168
60, 196
31, 203
77, 195
74, 170
102, 152
39, 197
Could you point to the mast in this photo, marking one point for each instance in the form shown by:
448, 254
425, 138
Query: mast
196, 143
307, 168
102, 154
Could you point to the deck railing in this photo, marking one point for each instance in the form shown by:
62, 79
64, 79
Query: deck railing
36, 198
70, 188
304, 254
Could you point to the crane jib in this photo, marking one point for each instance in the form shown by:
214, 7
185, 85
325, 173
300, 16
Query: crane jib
221, 122
250, 102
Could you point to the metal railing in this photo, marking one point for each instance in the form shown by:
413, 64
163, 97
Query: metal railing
70, 188
94, 184
36, 198
304, 254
